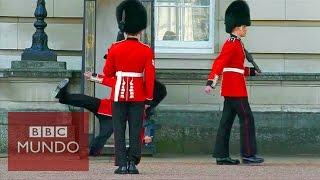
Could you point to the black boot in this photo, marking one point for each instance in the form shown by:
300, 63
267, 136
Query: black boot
94, 152
121, 170
132, 169
252, 160
61, 88
227, 161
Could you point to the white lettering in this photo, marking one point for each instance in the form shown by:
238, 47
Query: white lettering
45, 146
61, 131
76, 147
38, 149
47, 131
34, 131
56, 147
25, 145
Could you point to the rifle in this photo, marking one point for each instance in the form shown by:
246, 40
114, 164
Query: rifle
251, 60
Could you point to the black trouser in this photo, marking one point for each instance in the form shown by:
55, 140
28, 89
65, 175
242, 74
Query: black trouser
81, 100
133, 112
233, 107
92, 104
106, 130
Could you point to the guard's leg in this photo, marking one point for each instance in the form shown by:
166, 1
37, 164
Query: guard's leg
247, 128
135, 120
81, 100
106, 130
221, 149
119, 118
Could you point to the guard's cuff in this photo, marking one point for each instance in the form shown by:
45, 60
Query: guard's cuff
96, 78
209, 83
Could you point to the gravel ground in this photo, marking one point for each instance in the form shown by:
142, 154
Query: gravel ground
200, 168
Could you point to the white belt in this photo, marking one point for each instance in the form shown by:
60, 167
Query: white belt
120, 75
237, 70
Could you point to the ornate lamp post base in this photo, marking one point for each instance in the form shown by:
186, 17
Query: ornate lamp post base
39, 56
38, 65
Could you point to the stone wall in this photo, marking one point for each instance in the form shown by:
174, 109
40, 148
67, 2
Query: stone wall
64, 29
285, 106
192, 130
283, 36
31, 91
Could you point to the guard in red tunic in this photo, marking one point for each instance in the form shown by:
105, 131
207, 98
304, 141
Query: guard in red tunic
101, 108
230, 66
132, 63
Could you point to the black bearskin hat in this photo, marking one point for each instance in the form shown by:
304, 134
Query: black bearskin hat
131, 16
237, 14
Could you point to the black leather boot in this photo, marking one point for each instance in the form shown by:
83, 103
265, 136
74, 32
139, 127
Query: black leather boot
121, 170
227, 161
132, 169
61, 88
252, 160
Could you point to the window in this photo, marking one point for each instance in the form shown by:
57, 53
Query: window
183, 26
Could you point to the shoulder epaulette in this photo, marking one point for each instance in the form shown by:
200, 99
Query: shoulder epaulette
144, 44
117, 42
232, 39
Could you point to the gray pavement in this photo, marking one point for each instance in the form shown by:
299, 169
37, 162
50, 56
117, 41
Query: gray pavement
195, 167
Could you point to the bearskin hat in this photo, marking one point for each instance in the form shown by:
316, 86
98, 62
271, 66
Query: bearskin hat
237, 14
131, 16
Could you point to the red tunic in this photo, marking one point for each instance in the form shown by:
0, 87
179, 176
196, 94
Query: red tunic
229, 64
134, 58
105, 107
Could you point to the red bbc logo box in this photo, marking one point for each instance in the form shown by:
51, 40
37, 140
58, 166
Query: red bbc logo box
48, 141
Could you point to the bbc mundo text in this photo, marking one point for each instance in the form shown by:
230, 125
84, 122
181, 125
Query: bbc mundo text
37, 143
